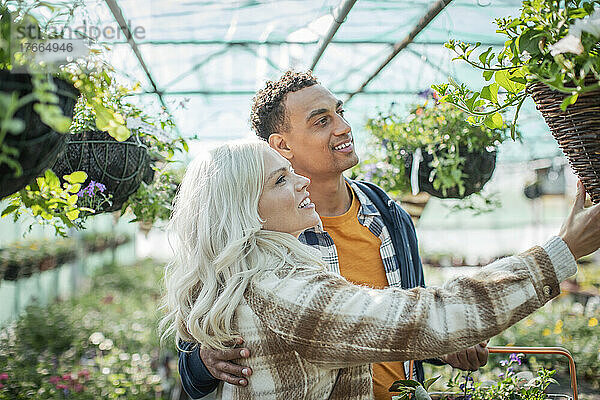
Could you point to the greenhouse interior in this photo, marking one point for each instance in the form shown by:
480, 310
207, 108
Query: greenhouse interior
158, 241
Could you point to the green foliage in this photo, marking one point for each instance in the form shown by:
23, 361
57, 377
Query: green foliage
567, 323
90, 76
410, 387
49, 202
102, 344
46, 105
45, 329
438, 129
153, 202
23, 258
535, 50
512, 385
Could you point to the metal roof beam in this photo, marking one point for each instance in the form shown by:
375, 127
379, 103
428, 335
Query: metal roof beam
281, 42
120, 18
339, 16
398, 47
253, 92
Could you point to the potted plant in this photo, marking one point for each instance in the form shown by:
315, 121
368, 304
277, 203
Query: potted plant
116, 169
34, 111
551, 53
433, 149
515, 385
96, 173
36, 106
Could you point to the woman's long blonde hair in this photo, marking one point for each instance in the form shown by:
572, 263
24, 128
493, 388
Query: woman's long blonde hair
219, 244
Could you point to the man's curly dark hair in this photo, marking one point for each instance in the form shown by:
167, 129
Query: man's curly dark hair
268, 108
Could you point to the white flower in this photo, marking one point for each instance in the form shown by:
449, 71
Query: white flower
589, 24
572, 42
568, 44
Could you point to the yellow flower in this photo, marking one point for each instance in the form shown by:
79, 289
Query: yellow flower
558, 327
592, 322
529, 322
546, 332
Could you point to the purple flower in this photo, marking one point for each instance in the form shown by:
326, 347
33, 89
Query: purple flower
89, 190
501, 375
503, 362
516, 358
461, 386
510, 370
426, 94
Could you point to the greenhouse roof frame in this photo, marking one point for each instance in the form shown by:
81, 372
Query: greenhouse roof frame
212, 56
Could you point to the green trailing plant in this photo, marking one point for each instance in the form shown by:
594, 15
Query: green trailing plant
152, 202
50, 202
436, 129
556, 43
68, 204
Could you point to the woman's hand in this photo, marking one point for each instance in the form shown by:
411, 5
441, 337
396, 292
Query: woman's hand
581, 230
218, 364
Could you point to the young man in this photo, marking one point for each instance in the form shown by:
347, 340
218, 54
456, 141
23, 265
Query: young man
365, 237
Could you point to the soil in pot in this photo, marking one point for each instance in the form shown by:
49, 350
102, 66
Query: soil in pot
39, 146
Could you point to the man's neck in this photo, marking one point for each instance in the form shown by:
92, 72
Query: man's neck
331, 196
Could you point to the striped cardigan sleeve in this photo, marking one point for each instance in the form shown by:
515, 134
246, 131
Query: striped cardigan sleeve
333, 323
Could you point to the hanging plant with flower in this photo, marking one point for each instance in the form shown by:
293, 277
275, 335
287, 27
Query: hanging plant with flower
37, 97
434, 150
551, 52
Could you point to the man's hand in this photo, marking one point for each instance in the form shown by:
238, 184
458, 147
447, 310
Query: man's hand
470, 359
581, 230
217, 363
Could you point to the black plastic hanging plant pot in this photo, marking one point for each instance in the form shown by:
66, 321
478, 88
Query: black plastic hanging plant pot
38, 145
119, 166
478, 169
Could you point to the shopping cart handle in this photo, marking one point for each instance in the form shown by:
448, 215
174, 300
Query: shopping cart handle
542, 350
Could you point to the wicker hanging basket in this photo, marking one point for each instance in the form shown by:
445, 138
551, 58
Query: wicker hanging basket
478, 166
577, 131
120, 166
38, 145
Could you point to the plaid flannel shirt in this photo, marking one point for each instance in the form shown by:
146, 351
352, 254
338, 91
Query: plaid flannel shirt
368, 216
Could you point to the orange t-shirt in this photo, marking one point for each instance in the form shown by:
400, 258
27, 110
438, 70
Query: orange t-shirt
360, 262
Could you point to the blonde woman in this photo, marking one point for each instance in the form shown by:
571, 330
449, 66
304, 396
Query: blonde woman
240, 271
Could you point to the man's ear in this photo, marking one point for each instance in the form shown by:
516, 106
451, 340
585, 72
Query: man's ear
278, 142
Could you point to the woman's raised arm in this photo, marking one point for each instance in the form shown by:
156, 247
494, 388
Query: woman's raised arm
333, 323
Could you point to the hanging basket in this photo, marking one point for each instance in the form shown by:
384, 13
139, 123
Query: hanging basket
120, 166
577, 131
38, 145
478, 166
